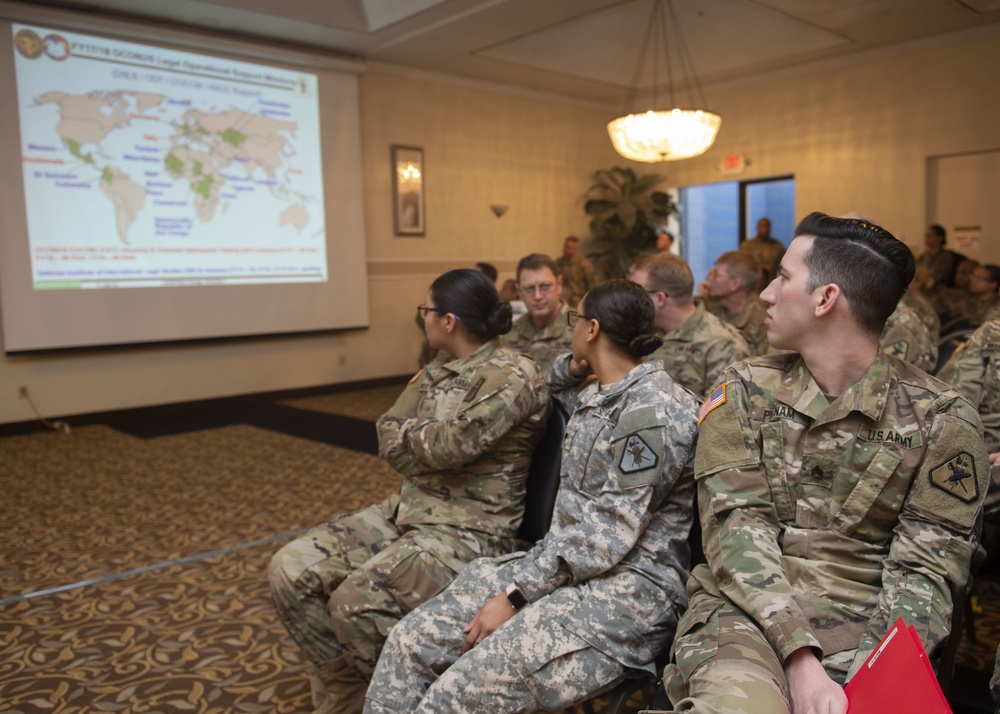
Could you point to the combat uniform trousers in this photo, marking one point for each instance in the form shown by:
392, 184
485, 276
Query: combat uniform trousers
340, 587
530, 663
721, 662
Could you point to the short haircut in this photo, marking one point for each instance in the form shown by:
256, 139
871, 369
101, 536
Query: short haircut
871, 266
743, 266
625, 313
536, 261
994, 271
940, 232
488, 269
668, 273
571, 239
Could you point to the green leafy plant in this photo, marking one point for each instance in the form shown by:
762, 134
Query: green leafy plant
624, 210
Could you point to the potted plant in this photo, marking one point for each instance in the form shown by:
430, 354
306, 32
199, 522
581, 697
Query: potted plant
624, 211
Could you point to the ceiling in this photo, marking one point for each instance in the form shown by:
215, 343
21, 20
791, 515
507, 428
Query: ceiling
580, 49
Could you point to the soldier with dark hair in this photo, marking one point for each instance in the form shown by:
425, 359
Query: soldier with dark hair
461, 434
600, 593
839, 489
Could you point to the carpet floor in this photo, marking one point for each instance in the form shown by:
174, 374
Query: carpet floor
134, 555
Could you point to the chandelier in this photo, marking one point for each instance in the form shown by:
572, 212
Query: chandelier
664, 135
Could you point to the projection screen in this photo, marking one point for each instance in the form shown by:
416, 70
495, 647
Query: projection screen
156, 193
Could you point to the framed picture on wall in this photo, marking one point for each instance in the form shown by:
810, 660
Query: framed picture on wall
408, 190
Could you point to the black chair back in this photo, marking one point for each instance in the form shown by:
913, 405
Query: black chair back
543, 478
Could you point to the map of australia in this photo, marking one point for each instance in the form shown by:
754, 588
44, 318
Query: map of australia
138, 146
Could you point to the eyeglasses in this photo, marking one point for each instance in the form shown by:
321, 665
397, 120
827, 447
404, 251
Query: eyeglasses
572, 316
422, 310
541, 288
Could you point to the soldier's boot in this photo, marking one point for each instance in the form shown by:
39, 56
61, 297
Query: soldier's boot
341, 686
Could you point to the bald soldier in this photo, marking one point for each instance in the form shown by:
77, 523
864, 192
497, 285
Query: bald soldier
838, 488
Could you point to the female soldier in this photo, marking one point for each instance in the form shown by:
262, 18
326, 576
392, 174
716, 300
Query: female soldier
601, 592
461, 433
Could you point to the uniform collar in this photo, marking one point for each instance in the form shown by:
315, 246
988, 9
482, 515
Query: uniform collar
688, 328
800, 391
527, 328
461, 364
596, 394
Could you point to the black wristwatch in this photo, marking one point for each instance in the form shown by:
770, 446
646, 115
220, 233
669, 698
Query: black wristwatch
516, 596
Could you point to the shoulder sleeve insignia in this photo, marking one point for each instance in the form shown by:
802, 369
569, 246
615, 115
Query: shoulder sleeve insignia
957, 476
716, 399
637, 455
898, 349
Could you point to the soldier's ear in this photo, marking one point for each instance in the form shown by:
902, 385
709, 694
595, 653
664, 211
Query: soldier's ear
593, 329
827, 298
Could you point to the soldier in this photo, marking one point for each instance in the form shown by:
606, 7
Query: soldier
936, 261
983, 297
731, 288
600, 593
461, 433
577, 272
838, 488
765, 249
906, 336
542, 333
697, 345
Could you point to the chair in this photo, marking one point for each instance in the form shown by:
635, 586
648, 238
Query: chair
543, 478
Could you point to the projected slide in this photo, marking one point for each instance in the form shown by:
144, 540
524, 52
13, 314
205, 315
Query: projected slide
146, 167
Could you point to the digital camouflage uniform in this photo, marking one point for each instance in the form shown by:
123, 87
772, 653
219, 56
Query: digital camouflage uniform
542, 345
748, 321
461, 434
696, 353
605, 584
578, 275
768, 252
905, 336
822, 522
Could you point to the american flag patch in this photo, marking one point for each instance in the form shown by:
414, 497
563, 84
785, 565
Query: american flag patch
715, 399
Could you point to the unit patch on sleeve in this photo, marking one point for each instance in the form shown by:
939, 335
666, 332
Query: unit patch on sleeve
957, 476
637, 455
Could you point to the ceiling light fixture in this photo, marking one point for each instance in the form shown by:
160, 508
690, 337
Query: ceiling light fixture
663, 135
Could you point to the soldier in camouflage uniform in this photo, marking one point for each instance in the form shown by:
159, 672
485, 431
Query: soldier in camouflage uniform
730, 293
697, 345
541, 333
600, 593
577, 272
765, 249
838, 488
462, 434
905, 336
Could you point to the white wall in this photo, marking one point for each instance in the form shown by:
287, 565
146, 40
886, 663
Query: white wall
857, 137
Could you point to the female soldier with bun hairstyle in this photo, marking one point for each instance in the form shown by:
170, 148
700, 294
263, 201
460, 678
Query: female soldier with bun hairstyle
602, 591
461, 434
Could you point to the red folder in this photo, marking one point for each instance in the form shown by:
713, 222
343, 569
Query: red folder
896, 677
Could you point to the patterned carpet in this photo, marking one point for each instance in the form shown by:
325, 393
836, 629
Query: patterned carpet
133, 560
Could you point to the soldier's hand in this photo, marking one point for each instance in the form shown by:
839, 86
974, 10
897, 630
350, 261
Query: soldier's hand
494, 613
995, 458
811, 689
579, 368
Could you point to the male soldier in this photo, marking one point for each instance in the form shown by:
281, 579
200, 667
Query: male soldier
732, 286
543, 333
905, 336
576, 271
838, 489
765, 249
697, 345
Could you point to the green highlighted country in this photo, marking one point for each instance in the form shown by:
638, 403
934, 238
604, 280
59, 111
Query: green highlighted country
174, 165
106, 175
231, 136
74, 148
197, 168
202, 187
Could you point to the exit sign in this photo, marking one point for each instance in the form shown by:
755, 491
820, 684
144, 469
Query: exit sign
733, 164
